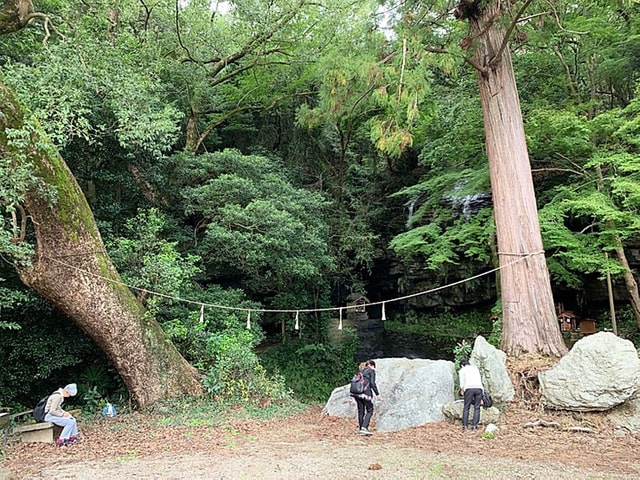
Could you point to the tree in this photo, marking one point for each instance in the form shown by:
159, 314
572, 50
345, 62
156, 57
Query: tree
529, 322
70, 268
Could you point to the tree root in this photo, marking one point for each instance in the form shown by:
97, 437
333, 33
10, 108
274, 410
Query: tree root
544, 423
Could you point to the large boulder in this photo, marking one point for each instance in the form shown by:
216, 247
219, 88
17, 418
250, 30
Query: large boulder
412, 393
600, 372
493, 368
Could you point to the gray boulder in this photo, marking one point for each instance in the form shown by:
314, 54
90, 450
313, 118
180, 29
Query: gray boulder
493, 368
453, 411
412, 393
600, 372
626, 417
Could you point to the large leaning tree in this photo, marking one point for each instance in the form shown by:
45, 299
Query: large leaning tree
69, 265
529, 320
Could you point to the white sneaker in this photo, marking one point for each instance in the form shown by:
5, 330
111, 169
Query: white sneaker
365, 431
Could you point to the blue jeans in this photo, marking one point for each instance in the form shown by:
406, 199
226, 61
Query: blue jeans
68, 424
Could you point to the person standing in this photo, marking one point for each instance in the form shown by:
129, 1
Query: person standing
55, 414
471, 390
364, 400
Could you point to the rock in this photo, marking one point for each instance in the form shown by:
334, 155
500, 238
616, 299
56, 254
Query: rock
492, 428
453, 411
600, 372
412, 393
493, 368
626, 417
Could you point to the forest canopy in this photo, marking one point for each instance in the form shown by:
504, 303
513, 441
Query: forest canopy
275, 157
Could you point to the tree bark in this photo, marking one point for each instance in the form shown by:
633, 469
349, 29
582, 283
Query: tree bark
629, 281
529, 320
14, 15
72, 270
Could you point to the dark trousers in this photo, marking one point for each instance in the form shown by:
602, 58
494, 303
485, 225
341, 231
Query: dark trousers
365, 411
471, 396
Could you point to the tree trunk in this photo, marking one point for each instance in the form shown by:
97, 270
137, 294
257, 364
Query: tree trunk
72, 270
629, 281
14, 15
529, 321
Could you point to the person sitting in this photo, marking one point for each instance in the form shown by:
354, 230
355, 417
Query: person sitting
55, 414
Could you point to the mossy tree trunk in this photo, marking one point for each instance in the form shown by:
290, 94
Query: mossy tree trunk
72, 270
529, 320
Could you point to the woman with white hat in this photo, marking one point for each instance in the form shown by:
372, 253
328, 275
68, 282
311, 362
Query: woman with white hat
55, 414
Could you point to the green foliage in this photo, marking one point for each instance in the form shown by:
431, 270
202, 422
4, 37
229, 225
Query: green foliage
148, 262
91, 90
312, 371
441, 248
495, 338
236, 374
98, 382
558, 133
445, 229
256, 225
280, 232
626, 323
189, 328
461, 351
444, 324
16, 172
596, 208
11, 299
40, 356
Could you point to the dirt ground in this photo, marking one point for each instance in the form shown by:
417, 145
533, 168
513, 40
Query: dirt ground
312, 446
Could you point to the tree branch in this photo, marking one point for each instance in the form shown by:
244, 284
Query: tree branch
47, 23
505, 40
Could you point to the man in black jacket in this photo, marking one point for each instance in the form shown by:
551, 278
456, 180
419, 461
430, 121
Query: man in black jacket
365, 400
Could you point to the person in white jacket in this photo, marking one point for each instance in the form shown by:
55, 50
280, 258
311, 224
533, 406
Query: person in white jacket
471, 389
55, 414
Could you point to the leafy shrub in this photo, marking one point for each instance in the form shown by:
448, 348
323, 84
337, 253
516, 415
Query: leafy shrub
236, 374
495, 338
312, 370
444, 324
461, 351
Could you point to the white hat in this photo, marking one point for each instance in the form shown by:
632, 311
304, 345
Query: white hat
71, 389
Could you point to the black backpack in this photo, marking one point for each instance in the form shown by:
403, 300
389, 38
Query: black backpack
487, 400
358, 384
38, 410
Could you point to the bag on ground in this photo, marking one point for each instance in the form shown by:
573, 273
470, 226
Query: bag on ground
487, 400
109, 411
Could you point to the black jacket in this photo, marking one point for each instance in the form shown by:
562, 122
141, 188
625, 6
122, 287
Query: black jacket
370, 375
